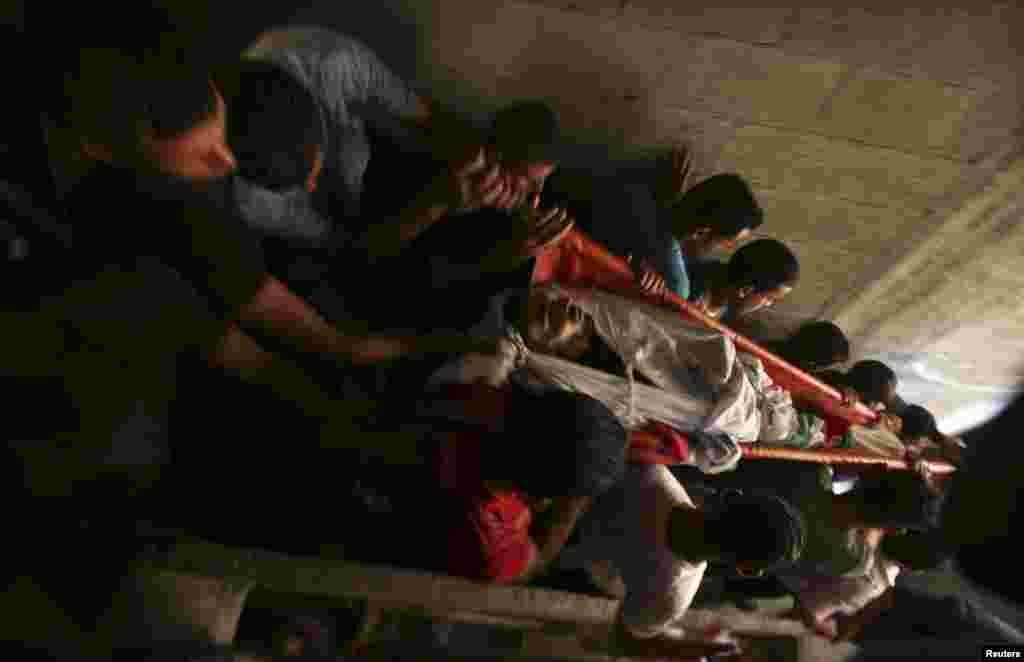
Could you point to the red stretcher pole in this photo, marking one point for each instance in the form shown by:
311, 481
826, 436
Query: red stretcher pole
578, 259
837, 456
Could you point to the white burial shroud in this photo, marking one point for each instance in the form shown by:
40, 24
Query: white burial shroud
701, 381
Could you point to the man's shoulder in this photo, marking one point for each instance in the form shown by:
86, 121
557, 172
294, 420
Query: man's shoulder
297, 38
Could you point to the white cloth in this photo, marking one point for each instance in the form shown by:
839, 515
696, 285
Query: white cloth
877, 440
690, 362
626, 529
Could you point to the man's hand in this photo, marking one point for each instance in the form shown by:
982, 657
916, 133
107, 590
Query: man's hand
647, 278
850, 396
546, 227
477, 182
516, 194
537, 230
890, 422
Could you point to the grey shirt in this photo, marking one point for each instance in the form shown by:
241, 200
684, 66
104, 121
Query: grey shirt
352, 86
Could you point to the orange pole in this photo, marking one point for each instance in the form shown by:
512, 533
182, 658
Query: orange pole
836, 456
565, 260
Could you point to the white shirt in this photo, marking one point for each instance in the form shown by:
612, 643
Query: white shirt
628, 527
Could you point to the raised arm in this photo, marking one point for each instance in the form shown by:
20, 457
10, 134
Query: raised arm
551, 530
280, 313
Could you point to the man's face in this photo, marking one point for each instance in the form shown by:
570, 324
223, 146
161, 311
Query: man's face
557, 326
200, 153
755, 301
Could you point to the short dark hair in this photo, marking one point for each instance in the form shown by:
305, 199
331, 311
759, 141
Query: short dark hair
757, 528
895, 500
918, 422
764, 264
580, 450
817, 343
527, 131
122, 85
869, 379
723, 203
274, 125
915, 550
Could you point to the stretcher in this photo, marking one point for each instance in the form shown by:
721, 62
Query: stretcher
579, 261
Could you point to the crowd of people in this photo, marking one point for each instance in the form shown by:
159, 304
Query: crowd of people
285, 300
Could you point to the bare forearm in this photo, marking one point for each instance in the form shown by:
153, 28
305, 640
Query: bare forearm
240, 354
852, 627
280, 313
552, 532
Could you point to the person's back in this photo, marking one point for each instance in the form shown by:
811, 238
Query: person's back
505, 519
352, 86
660, 543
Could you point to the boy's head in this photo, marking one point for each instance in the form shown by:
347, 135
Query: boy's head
875, 382
275, 128
527, 139
751, 532
817, 346
145, 98
558, 444
890, 500
759, 274
918, 424
716, 214
915, 551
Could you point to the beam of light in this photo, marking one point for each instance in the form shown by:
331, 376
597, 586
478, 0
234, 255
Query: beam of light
972, 415
925, 379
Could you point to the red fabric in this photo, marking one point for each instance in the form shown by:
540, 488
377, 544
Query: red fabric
658, 444
835, 429
489, 533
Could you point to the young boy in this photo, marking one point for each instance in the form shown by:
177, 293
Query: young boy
660, 543
756, 276
715, 214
